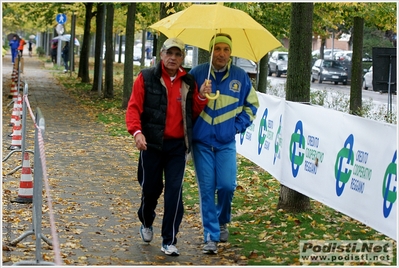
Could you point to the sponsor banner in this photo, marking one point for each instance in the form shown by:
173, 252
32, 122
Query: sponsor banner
262, 141
347, 162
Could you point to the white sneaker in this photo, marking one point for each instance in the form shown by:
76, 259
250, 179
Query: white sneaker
146, 234
170, 250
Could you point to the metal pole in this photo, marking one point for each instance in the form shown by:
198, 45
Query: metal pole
389, 90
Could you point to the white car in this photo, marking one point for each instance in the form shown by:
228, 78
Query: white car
345, 55
368, 79
327, 53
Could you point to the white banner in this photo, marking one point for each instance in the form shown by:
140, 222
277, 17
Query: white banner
346, 162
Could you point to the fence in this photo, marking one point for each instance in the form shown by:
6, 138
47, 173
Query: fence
40, 175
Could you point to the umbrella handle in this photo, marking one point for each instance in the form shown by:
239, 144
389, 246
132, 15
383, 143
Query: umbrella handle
213, 97
209, 97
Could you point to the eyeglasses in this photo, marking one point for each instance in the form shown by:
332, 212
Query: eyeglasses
177, 54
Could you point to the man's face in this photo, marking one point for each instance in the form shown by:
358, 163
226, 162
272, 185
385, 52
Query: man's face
172, 58
221, 55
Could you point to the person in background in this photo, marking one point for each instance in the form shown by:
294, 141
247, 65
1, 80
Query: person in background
164, 104
30, 47
214, 138
14, 44
22, 43
65, 56
54, 48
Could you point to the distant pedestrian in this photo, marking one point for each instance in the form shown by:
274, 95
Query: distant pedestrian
14, 44
54, 48
30, 47
65, 56
22, 43
164, 103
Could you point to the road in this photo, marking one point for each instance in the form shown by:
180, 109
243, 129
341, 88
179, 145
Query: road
377, 97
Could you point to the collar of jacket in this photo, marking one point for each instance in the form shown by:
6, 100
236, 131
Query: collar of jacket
227, 72
160, 68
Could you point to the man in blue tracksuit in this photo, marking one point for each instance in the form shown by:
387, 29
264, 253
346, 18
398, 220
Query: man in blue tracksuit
14, 44
214, 146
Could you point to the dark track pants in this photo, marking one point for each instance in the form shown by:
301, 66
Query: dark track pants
153, 165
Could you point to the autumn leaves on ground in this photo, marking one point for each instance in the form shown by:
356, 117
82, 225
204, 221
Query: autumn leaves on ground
96, 211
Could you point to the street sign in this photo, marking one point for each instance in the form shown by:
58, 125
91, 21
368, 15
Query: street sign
61, 18
60, 29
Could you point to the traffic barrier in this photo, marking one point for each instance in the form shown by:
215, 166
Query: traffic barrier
25, 192
39, 177
16, 141
14, 88
19, 104
15, 114
16, 122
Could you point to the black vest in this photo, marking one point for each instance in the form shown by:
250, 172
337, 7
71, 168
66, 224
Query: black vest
153, 117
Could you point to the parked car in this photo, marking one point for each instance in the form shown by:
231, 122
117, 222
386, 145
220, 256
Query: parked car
329, 70
327, 53
345, 55
368, 79
278, 63
248, 65
137, 53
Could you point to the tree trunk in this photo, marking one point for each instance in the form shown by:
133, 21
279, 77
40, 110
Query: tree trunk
300, 54
109, 53
355, 100
129, 46
120, 48
298, 85
98, 62
85, 50
292, 201
163, 8
263, 72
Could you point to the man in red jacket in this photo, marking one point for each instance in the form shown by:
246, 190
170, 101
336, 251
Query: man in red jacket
164, 103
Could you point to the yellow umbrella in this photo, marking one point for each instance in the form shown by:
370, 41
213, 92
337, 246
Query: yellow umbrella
197, 24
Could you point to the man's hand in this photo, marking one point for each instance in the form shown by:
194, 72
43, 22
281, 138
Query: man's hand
206, 88
141, 143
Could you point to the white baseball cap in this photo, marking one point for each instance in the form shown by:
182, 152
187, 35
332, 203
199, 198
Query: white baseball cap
173, 42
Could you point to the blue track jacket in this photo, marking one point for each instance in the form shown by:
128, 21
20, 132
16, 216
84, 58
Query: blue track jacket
232, 112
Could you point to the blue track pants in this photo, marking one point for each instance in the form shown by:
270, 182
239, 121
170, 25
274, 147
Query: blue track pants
216, 170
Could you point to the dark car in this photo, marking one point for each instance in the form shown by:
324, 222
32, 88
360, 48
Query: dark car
329, 70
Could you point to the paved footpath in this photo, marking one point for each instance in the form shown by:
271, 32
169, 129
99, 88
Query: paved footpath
92, 177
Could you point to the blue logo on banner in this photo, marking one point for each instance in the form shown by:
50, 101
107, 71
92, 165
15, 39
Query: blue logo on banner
345, 154
262, 131
297, 147
389, 186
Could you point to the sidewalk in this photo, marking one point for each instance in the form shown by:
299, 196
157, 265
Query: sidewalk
93, 187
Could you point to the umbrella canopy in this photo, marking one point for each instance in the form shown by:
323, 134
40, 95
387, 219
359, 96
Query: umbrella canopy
32, 36
11, 35
197, 24
66, 38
